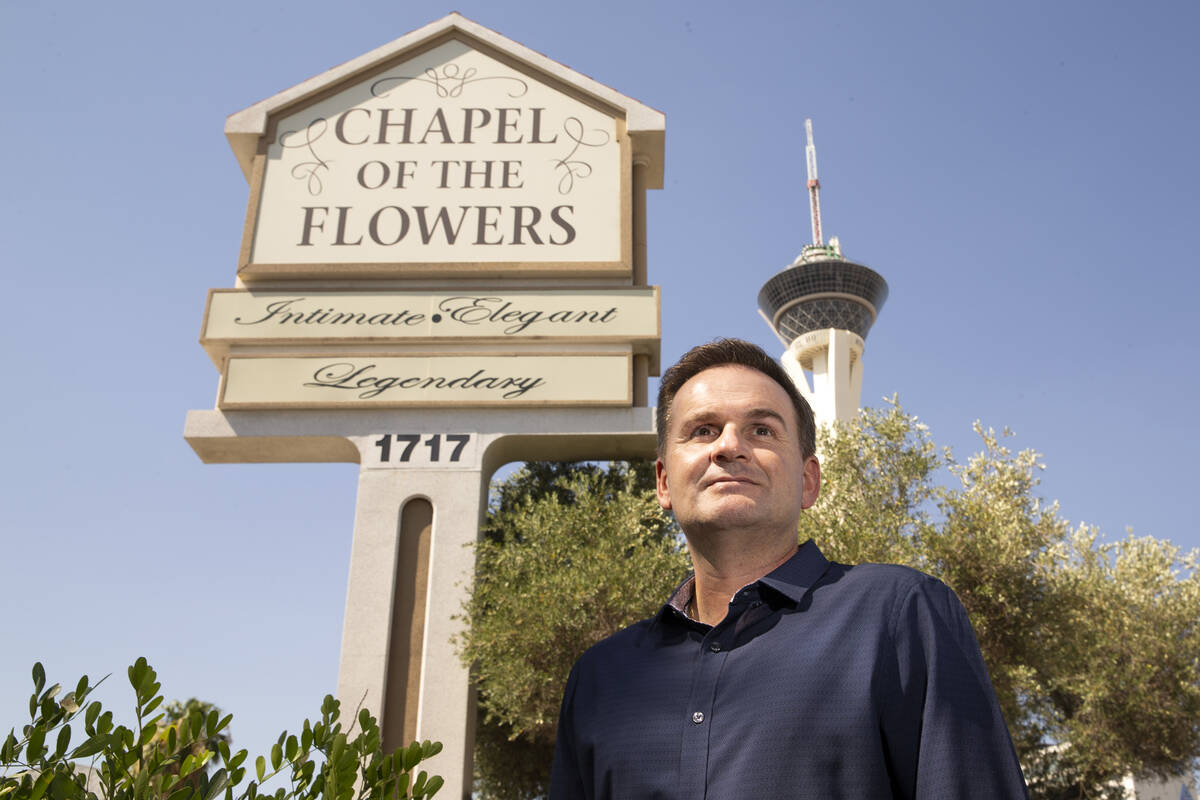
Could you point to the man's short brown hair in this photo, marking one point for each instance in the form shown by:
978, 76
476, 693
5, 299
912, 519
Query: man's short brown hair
722, 352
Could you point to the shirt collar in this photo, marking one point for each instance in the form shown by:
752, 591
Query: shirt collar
793, 578
682, 596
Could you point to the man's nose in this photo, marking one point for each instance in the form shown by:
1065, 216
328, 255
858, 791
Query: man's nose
730, 444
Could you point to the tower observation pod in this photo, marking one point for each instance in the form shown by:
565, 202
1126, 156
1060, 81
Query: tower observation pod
821, 307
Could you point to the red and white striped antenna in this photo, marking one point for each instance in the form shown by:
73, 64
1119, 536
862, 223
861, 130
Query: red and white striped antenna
814, 185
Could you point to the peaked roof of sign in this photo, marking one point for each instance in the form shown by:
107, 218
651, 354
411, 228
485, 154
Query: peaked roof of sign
645, 125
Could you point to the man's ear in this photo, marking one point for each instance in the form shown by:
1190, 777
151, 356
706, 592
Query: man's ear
661, 487
812, 481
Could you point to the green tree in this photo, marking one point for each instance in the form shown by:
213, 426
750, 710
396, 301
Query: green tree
571, 554
1093, 646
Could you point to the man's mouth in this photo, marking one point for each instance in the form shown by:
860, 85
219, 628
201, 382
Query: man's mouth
730, 479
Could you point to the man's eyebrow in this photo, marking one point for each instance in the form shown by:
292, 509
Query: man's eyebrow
758, 413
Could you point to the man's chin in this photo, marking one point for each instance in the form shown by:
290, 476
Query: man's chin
731, 511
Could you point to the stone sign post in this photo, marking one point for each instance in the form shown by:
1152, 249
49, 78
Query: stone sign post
442, 270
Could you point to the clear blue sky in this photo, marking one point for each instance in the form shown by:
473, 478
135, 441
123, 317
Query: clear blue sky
1024, 174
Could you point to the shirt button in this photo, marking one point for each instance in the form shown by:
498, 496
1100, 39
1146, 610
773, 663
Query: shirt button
698, 717
715, 647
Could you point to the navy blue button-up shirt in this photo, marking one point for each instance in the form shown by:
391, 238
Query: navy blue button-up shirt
822, 681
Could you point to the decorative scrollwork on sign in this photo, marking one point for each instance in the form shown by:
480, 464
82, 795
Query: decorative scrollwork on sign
572, 167
449, 82
309, 171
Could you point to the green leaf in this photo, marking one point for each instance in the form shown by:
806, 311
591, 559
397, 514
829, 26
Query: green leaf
276, 756
412, 756
196, 722
147, 692
181, 793
33, 750
260, 768
39, 677
433, 785
39, 786
291, 747
9, 749
52, 692
64, 739
49, 711
81, 688
339, 747
217, 784
153, 704
141, 783
62, 785
224, 723
89, 716
90, 747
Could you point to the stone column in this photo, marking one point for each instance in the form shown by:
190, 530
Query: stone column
410, 572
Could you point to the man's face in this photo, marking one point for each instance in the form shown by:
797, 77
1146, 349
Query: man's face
732, 459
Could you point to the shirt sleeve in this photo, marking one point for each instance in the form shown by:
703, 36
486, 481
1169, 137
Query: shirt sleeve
566, 780
963, 748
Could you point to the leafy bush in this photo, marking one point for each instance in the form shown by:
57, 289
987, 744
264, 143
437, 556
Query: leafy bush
168, 755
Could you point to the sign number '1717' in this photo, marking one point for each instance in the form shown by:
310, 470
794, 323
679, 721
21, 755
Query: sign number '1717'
406, 443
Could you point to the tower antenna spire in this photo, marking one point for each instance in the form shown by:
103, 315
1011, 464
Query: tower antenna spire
814, 184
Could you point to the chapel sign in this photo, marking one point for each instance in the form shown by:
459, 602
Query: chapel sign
442, 270
451, 159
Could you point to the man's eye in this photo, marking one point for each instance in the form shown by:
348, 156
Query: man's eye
764, 430
704, 430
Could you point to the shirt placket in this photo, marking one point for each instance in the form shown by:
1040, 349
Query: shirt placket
699, 722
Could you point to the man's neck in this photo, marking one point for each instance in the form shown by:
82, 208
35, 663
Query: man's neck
723, 567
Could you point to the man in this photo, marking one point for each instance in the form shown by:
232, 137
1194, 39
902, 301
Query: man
772, 672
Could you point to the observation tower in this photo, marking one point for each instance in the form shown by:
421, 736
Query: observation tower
821, 307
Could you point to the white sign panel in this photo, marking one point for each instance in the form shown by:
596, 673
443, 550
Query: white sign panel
238, 315
431, 380
451, 157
